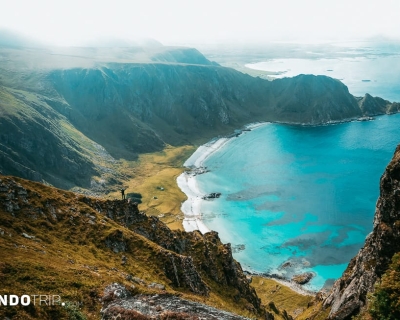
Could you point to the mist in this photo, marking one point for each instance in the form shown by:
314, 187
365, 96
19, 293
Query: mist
210, 22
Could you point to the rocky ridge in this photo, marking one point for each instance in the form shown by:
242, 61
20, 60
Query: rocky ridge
349, 293
187, 256
180, 262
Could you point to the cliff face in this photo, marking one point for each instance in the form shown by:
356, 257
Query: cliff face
349, 294
66, 113
313, 100
371, 106
86, 240
189, 257
37, 143
138, 107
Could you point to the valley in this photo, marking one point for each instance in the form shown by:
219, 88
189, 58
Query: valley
69, 117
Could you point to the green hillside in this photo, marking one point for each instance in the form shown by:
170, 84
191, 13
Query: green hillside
68, 116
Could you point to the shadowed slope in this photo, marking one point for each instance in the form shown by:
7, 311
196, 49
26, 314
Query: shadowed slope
133, 108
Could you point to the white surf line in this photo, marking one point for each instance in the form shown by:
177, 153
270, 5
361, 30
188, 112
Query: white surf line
191, 208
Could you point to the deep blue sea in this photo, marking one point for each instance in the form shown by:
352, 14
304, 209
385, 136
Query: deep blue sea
301, 194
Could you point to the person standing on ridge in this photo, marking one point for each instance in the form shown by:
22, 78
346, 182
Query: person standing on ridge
123, 193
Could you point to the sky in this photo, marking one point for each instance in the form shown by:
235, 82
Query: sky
208, 21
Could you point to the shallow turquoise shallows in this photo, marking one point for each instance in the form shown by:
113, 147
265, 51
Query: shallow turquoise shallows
305, 195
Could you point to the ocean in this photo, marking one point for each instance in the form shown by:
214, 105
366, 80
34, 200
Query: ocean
302, 195
364, 67
300, 199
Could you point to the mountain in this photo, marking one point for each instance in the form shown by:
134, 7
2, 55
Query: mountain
371, 106
64, 112
310, 99
55, 242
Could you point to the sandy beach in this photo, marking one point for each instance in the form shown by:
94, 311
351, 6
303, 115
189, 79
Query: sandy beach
191, 208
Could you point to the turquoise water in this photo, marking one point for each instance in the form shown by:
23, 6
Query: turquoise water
300, 194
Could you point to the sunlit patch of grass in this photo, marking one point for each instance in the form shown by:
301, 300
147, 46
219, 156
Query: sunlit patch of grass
283, 298
154, 177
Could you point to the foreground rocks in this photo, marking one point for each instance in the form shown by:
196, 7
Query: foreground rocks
119, 303
303, 278
192, 260
191, 263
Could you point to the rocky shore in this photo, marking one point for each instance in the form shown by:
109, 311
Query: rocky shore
295, 286
119, 302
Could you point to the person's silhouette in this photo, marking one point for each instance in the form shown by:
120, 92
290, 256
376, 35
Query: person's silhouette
123, 193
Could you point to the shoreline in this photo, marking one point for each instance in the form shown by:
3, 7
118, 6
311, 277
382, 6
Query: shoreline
191, 208
285, 282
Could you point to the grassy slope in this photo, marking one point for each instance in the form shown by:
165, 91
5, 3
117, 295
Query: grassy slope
68, 256
158, 170
41, 138
386, 298
283, 298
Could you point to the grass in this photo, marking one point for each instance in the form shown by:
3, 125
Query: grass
156, 170
68, 257
283, 298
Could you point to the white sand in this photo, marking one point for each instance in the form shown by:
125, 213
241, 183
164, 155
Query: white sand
191, 208
203, 152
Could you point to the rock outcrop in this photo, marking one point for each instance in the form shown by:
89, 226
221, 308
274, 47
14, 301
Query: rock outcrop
188, 257
179, 262
349, 293
118, 303
303, 278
